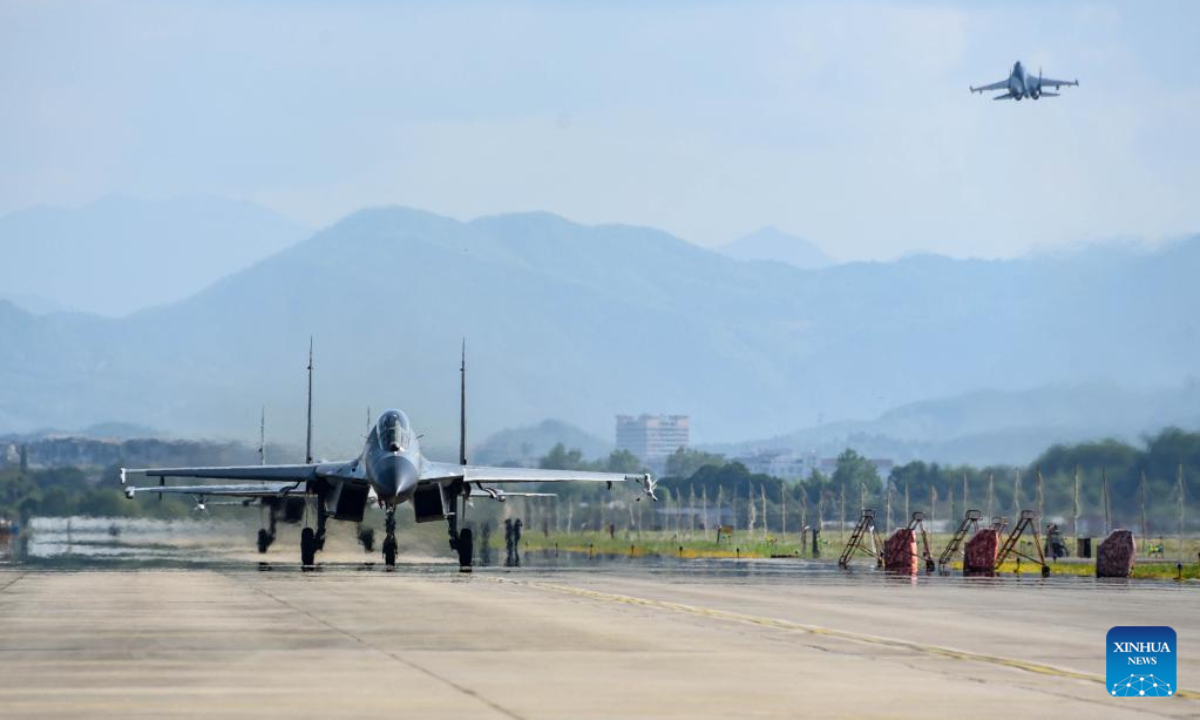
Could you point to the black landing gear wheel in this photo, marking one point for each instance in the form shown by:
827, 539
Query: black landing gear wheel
389, 540
264, 540
389, 551
466, 550
308, 547
366, 537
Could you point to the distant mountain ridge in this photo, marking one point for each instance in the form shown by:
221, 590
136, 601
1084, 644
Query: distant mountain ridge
528, 444
583, 323
119, 254
771, 243
995, 427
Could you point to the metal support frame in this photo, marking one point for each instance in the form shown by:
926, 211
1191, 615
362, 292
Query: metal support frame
1028, 522
863, 530
917, 523
968, 526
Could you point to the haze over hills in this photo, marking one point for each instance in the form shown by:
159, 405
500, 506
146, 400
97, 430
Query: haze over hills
771, 243
120, 254
994, 427
527, 444
582, 323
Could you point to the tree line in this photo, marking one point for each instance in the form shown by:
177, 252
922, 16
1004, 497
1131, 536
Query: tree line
708, 488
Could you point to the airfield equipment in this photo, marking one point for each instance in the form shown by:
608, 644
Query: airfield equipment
864, 530
900, 551
1028, 522
969, 524
915, 523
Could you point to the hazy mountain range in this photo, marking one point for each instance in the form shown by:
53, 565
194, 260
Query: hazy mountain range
991, 426
120, 254
982, 428
770, 243
581, 323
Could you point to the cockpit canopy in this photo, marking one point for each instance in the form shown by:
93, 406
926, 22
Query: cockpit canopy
393, 431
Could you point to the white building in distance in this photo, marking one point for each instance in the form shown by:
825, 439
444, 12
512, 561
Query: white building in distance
651, 438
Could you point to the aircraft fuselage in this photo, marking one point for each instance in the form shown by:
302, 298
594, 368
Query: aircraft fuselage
391, 459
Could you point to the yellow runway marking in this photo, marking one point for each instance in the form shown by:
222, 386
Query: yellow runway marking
776, 623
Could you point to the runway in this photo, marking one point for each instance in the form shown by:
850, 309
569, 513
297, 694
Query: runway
600, 640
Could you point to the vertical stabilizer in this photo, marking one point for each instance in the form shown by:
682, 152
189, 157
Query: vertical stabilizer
308, 454
462, 407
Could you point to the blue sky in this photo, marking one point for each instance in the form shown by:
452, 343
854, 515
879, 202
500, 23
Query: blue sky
847, 123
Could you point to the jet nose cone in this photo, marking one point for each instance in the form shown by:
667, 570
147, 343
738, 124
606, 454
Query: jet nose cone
395, 478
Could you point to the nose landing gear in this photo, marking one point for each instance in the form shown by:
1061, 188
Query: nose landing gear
389, 541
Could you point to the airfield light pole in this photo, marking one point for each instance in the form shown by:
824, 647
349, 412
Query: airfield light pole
842, 518
762, 491
1075, 511
783, 493
803, 515
991, 493
1041, 499
1142, 503
1104, 494
888, 512
1017, 494
933, 498
1179, 482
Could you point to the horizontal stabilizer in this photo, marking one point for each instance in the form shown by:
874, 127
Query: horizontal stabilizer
1005, 96
1050, 94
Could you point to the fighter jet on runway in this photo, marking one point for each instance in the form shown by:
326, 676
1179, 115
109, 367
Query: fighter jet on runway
390, 470
1020, 85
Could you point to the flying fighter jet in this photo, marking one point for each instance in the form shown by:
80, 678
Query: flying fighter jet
390, 471
1020, 85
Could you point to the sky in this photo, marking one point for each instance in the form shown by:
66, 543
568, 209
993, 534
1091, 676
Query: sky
847, 123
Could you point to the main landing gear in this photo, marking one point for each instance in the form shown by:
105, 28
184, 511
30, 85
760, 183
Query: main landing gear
266, 536
308, 547
461, 540
322, 521
366, 538
389, 540
312, 541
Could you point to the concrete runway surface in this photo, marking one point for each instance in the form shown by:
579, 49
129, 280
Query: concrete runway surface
685, 640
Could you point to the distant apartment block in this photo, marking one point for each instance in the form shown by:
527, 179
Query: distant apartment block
652, 437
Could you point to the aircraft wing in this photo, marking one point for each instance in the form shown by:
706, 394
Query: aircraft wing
266, 473
1056, 84
502, 495
1003, 84
473, 474
257, 490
